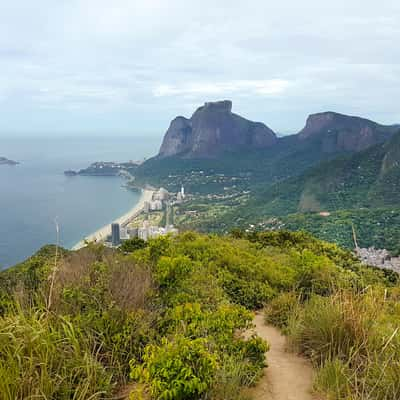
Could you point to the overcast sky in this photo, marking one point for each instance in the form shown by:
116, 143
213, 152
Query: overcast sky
128, 67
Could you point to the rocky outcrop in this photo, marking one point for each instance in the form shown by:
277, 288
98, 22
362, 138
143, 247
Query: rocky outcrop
6, 161
338, 132
213, 129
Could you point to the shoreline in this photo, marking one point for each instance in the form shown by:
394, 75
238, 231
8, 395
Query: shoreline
102, 233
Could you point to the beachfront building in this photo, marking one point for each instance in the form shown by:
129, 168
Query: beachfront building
133, 232
156, 205
161, 194
147, 231
115, 234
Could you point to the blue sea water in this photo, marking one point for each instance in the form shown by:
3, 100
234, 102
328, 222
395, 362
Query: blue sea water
36, 193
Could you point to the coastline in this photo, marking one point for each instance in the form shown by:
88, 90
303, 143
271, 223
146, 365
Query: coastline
102, 233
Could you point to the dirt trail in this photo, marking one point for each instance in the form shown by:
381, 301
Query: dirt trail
288, 376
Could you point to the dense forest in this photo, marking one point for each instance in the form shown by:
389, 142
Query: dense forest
165, 319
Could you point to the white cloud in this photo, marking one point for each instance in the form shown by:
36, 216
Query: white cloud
269, 87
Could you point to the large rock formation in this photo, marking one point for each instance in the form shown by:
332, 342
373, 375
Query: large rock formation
338, 132
212, 130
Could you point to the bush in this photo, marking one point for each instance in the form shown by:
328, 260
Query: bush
251, 294
279, 310
177, 369
131, 245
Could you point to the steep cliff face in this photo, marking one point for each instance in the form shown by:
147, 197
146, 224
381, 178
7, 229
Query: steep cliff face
212, 130
338, 132
177, 139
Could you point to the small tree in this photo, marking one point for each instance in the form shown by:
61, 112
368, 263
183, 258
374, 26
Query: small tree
130, 245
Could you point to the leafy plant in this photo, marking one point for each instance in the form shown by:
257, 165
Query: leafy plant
177, 369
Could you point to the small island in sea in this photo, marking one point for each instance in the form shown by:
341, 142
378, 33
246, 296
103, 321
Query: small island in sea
103, 168
6, 161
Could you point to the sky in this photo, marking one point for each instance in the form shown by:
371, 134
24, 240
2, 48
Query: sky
126, 67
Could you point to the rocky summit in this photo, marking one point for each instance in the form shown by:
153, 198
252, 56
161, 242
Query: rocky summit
338, 132
212, 130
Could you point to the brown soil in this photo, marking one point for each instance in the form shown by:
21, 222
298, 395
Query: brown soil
288, 376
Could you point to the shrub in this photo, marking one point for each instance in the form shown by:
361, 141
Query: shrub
279, 310
250, 294
131, 245
230, 379
176, 369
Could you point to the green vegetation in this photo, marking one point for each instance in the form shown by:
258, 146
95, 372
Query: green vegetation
352, 338
360, 190
351, 332
378, 227
165, 319
240, 171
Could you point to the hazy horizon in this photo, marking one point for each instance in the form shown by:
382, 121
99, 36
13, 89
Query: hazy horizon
91, 69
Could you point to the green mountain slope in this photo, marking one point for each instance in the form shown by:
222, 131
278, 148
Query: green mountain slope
360, 190
367, 179
289, 157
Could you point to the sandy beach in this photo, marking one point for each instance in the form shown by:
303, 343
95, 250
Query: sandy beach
102, 233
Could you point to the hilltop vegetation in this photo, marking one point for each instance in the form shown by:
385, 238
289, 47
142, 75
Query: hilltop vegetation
166, 318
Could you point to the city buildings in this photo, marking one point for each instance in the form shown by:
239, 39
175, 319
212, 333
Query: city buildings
161, 200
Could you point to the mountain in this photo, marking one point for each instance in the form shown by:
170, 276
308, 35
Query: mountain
212, 130
216, 141
338, 132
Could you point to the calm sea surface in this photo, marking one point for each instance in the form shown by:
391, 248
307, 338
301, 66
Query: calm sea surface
36, 193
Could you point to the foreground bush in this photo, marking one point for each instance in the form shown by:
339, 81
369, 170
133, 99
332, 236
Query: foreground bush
179, 369
279, 310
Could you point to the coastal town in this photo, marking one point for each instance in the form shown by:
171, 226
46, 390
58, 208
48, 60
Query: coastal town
153, 220
153, 216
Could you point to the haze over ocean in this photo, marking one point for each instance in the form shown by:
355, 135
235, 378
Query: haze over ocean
36, 192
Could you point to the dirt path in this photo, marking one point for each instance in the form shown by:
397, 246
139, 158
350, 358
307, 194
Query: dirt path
288, 376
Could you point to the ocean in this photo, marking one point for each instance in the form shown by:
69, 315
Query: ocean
36, 193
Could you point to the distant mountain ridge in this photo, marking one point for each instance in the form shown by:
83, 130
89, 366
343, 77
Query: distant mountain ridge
213, 130
339, 132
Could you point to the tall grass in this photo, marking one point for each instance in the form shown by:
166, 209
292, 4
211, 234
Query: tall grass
42, 358
72, 333
354, 340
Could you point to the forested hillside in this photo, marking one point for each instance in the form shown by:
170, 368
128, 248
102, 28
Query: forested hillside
367, 179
